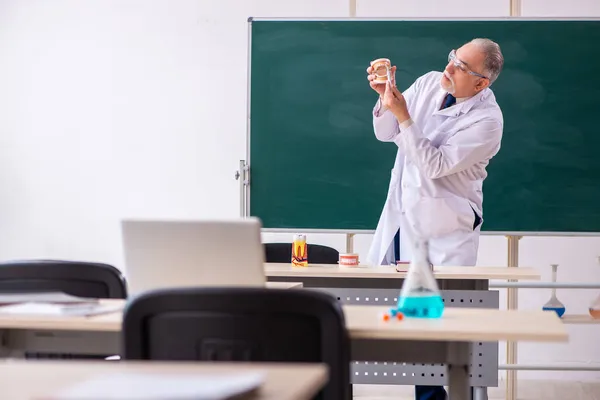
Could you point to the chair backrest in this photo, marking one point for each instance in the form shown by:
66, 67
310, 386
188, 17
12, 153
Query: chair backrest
241, 324
76, 278
317, 253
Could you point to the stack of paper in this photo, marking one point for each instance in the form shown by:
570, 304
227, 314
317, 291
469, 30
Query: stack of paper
52, 304
154, 386
59, 309
42, 297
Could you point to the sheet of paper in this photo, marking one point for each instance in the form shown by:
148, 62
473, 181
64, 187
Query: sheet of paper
155, 386
42, 297
35, 308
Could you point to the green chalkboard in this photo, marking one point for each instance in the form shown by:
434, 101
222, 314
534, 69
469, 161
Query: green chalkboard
315, 163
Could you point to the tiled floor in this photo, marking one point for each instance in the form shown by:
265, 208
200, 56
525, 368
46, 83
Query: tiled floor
527, 390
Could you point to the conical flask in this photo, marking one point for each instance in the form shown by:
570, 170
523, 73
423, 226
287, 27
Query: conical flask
420, 296
595, 308
554, 304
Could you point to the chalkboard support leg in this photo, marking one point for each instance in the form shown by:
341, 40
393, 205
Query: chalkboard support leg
349, 242
352, 8
512, 304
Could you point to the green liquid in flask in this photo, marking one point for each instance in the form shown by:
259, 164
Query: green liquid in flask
421, 306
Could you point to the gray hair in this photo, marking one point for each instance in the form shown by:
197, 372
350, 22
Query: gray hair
494, 60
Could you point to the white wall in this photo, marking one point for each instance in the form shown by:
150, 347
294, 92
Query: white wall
113, 109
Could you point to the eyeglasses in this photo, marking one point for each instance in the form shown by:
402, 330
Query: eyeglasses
460, 65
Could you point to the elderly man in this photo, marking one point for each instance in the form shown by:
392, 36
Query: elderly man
447, 127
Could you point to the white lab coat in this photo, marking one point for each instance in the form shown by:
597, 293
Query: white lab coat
437, 180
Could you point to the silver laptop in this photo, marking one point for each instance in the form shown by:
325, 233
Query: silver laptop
170, 254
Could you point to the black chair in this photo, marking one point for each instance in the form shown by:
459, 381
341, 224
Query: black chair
241, 324
317, 254
76, 278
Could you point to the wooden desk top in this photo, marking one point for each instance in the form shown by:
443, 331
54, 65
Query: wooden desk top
458, 324
366, 322
389, 272
37, 380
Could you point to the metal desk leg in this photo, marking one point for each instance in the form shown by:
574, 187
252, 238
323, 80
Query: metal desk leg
4, 348
459, 355
480, 393
7, 348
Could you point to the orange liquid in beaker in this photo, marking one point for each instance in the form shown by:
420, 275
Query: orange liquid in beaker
595, 313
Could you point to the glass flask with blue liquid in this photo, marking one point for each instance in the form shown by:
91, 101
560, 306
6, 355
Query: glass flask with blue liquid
420, 296
554, 304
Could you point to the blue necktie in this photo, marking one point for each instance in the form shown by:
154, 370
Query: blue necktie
449, 101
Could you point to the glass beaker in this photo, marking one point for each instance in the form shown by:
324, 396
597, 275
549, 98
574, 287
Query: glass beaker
554, 304
595, 308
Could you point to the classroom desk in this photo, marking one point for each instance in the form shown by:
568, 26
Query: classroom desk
386, 277
380, 286
449, 340
282, 381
